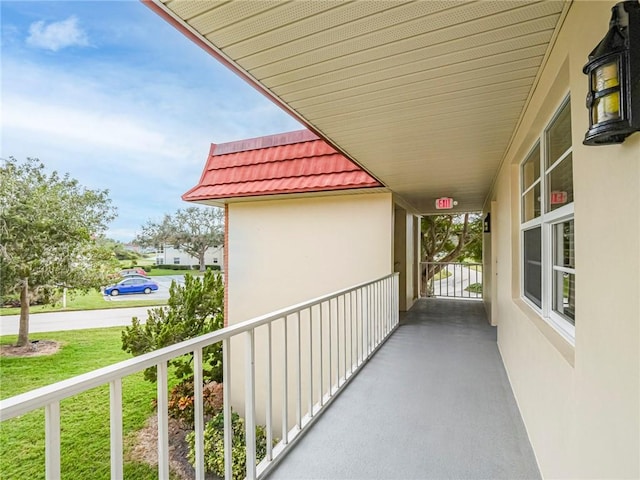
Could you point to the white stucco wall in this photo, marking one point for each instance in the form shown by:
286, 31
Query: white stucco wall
213, 256
286, 251
581, 405
282, 252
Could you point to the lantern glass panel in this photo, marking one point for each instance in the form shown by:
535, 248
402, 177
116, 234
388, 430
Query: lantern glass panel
606, 107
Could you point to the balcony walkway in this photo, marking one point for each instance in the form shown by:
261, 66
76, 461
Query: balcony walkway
433, 402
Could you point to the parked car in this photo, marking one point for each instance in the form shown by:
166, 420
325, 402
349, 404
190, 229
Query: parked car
131, 285
135, 275
133, 271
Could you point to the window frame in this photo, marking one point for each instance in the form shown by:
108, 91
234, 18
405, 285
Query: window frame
547, 220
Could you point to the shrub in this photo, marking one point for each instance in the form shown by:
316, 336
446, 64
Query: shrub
195, 308
474, 288
214, 267
147, 268
214, 446
172, 266
181, 401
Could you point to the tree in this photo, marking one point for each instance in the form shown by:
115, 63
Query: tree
193, 230
449, 238
119, 249
48, 227
195, 308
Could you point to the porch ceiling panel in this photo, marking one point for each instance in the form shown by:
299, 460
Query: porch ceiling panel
424, 95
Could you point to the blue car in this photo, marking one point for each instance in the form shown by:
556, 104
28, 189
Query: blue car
131, 285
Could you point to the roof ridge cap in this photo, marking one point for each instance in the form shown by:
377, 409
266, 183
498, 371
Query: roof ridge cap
267, 141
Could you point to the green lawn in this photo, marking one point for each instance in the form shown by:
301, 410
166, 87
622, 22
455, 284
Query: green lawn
84, 418
159, 272
92, 300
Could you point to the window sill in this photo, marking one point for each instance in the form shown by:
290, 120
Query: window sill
565, 347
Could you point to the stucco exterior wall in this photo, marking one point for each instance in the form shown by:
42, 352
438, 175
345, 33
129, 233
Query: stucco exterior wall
213, 256
283, 252
580, 404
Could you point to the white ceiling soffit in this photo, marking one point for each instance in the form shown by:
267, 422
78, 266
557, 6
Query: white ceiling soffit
425, 95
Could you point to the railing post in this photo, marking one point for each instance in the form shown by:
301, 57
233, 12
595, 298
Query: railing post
310, 362
115, 423
285, 385
330, 349
52, 439
250, 404
299, 374
321, 383
269, 400
198, 412
226, 405
163, 422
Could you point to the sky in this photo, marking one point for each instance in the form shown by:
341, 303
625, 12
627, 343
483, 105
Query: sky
110, 93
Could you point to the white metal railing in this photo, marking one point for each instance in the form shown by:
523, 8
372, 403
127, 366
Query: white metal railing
451, 279
343, 330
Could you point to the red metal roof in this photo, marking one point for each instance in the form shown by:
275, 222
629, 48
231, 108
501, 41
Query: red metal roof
293, 162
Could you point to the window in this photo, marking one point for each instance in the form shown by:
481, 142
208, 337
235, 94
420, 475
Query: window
215, 260
176, 260
547, 225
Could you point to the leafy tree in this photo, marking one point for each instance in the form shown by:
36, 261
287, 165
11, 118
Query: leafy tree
195, 308
118, 249
193, 230
449, 238
48, 226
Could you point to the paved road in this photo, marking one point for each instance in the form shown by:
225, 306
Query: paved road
57, 321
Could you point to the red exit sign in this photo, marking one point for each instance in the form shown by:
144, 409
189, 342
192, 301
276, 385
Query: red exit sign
444, 203
558, 198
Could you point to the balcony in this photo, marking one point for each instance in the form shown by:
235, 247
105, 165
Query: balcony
433, 401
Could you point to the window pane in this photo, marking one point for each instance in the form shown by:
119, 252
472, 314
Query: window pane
531, 168
560, 184
533, 265
559, 136
564, 245
564, 286
531, 204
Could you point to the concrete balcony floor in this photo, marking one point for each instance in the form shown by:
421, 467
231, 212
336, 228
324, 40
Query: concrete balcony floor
433, 402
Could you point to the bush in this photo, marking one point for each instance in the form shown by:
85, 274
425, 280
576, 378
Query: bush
147, 268
171, 266
214, 267
214, 446
195, 308
181, 401
474, 288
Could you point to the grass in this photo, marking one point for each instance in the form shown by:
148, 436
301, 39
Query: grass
84, 418
92, 300
441, 274
474, 288
159, 272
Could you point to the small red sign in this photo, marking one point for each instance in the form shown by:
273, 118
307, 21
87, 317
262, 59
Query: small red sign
558, 198
444, 203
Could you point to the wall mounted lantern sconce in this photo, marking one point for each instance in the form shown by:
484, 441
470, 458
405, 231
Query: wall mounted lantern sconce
486, 224
613, 69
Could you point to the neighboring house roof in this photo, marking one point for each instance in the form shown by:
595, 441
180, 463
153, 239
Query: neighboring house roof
293, 162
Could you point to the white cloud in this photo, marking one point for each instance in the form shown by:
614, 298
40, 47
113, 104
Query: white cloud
57, 35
